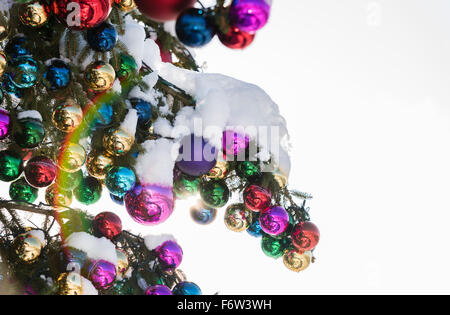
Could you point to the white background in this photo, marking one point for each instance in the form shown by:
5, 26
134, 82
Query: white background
364, 85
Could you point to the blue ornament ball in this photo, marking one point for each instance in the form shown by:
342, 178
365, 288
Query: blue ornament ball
144, 111
10, 88
186, 288
57, 76
202, 214
16, 47
117, 200
102, 38
103, 116
23, 72
195, 28
197, 156
255, 228
120, 180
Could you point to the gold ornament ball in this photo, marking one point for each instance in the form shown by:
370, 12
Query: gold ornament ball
219, 171
126, 5
100, 76
72, 158
3, 63
58, 198
117, 142
70, 283
27, 247
122, 263
97, 164
281, 178
67, 116
33, 14
238, 218
296, 261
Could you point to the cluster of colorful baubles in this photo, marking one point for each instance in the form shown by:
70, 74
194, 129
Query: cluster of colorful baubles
103, 275
197, 27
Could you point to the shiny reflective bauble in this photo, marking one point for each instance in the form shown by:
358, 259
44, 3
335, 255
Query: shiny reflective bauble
107, 224
255, 228
186, 288
306, 236
7, 86
98, 164
237, 217
120, 180
163, 10
219, 171
67, 116
11, 166
101, 273
249, 15
158, 289
92, 12
23, 72
234, 143
72, 157
88, 191
215, 193
27, 247
117, 142
102, 117
236, 39
296, 261
30, 134
257, 198
196, 156
102, 38
58, 198
249, 171
122, 263
99, 76
274, 220
185, 186
126, 66
144, 110
40, 171
70, 283
150, 204
195, 28
73, 259
17, 46
273, 247
281, 178
117, 200
33, 14
69, 181
20, 190
58, 75
202, 214
3, 63
169, 254
126, 5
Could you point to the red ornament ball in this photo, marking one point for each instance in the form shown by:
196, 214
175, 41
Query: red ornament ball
257, 198
81, 14
40, 171
107, 224
306, 236
163, 10
236, 39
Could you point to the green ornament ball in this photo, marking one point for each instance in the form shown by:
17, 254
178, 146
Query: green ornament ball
88, 191
20, 190
248, 170
125, 66
11, 166
185, 186
69, 181
215, 193
273, 247
29, 133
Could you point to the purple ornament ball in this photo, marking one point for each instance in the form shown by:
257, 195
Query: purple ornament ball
4, 123
249, 15
150, 204
170, 254
234, 143
274, 220
101, 273
158, 289
197, 157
